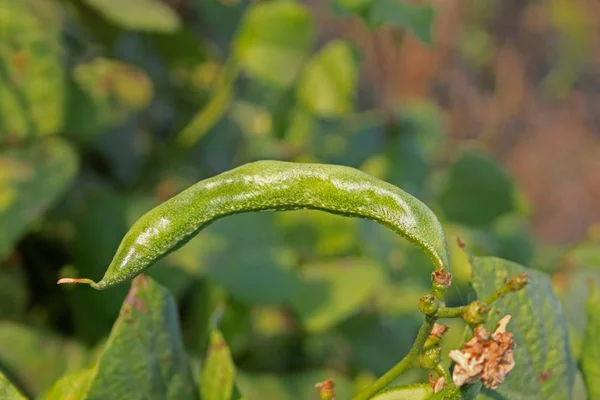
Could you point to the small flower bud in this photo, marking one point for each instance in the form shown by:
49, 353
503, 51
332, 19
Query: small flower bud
517, 282
476, 313
428, 304
431, 357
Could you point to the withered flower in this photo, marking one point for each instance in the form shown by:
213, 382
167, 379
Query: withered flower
483, 357
437, 384
438, 330
442, 277
326, 389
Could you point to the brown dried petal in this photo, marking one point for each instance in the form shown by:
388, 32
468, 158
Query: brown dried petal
467, 370
442, 277
438, 384
438, 330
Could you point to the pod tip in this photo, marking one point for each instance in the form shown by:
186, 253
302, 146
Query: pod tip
75, 280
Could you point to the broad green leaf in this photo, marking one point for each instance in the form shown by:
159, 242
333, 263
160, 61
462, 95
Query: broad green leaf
13, 295
316, 234
393, 334
36, 358
103, 93
477, 190
8, 391
514, 240
144, 356
358, 7
585, 255
331, 291
31, 74
141, 15
590, 357
544, 368
297, 386
573, 289
412, 145
74, 386
350, 143
218, 370
416, 18
274, 39
31, 179
327, 86
248, 259
420, 391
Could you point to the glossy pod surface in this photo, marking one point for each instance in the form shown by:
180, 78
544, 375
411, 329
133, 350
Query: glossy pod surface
272, 186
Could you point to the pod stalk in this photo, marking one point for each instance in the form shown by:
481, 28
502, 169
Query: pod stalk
76, 280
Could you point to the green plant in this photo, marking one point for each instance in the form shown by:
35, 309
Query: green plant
272, 185
109, 110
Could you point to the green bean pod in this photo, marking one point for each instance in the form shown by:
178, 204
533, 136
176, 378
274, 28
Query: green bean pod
271, 186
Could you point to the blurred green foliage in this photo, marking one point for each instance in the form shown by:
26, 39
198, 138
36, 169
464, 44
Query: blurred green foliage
108, 108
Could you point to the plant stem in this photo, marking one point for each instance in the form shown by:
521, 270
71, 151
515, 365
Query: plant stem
446, 312
442, 371
405, 364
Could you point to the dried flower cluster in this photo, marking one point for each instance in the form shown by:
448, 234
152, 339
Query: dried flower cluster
485, 358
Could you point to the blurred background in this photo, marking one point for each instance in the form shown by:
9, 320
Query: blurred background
486, 110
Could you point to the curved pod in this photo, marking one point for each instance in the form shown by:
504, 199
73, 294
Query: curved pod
272, 186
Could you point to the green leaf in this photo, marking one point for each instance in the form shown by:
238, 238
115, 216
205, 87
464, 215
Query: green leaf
419, 391
297, 386
103, 93
477, 190
590, 358
8, 391
13, 296
31, 179
273, 41
327, 86
332, 291
539, 328
515, 242
416, 18
142, 15
316, 234
393, 334
72, 387
36, 358
247, 260
218, 370
585, 255
358, 7
144, 356
31, 74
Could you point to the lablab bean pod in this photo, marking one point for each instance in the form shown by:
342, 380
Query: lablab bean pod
271, 186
